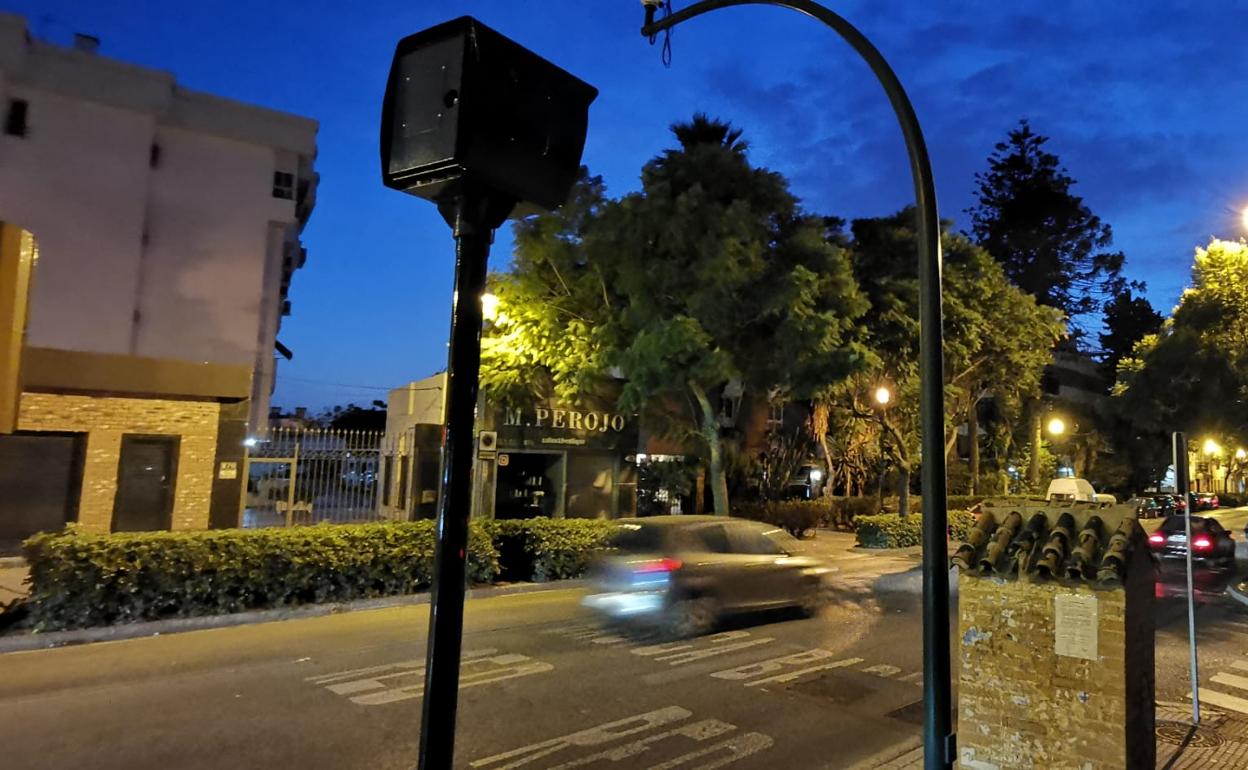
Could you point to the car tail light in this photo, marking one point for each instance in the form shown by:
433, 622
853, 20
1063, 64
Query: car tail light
1157, 538
659, 565
1201, 543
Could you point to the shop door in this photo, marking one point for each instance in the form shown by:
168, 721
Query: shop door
528, 485
145, 481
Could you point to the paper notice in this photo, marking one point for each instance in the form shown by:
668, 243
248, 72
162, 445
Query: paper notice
1074, 625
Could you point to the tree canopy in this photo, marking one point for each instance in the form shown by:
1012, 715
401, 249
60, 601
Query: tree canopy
1050, 243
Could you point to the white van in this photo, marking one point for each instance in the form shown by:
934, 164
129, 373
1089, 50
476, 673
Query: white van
1072, 491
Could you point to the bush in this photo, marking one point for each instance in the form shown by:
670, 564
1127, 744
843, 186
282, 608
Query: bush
797, 517
79, 579
888, 530
549, 549
1232, 500
845, 510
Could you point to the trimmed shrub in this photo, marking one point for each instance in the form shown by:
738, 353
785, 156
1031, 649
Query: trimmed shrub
549, 549
79, 579
1232, 500
888, 530
797, 517
845, 510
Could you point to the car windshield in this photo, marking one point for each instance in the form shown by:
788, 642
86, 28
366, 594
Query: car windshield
637, 538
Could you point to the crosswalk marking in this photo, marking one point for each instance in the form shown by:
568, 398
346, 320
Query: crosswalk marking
1222, 700
1240, 664
1232, 680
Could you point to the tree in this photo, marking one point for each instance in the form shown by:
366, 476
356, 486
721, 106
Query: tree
1050, 243
1192, 376
353, 417
1128, 319
721, 276
997, 339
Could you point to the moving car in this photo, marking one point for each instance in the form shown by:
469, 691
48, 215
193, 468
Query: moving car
1212, 545
680, 575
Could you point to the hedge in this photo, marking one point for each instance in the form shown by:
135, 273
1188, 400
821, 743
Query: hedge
797, 517
548, 549
889, 530
79, 579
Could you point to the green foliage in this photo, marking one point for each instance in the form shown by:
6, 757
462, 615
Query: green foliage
888, 530
1193, 375
1128, 320
1050, 243
797, 517
553, 549
659, 483
79, 579
846, 510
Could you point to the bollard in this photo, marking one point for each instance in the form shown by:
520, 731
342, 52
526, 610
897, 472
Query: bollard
985, 525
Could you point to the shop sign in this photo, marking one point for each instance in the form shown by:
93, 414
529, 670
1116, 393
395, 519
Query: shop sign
555, 426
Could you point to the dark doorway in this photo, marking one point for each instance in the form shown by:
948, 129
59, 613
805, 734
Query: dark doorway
40, 483
145, 481
528, 485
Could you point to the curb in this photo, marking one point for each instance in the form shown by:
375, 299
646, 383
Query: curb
12, 562
27, 642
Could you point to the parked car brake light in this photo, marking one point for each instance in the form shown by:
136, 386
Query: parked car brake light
1156, 538
1201, 543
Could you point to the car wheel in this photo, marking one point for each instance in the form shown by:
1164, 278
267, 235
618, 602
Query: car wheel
690, 617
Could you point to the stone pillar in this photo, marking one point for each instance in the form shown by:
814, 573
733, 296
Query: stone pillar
1057, 672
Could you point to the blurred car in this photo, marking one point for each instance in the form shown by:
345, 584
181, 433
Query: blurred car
679, 575
806, 484
1180, 505
1212, 545
1204, 501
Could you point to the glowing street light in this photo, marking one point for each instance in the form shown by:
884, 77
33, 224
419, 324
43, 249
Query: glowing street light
1057, 426
883, 395
489, 306
1244, 217
1211, 447
1241, 454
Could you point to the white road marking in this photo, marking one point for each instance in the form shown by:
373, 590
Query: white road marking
772, 665
394, 682
721, 754
681, 658
882, 670
594, 736
1221, 700
1231, 680
789, 676
1240, 664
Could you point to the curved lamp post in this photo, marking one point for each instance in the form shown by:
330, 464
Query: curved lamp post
938, 742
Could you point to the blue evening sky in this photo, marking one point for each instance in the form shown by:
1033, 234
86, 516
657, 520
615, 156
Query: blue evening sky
1144, 103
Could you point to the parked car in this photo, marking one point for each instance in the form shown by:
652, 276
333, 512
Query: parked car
1166, 505
680, 575
1068, 490
1145, 507
1204, 501
1212, 546
1180, 505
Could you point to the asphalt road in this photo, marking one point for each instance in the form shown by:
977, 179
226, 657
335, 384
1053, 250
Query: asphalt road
543, 687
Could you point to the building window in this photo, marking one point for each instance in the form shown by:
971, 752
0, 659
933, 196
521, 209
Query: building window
283, 185
15, 120
775, 415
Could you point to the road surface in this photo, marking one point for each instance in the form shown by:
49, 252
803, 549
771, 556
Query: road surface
543, 687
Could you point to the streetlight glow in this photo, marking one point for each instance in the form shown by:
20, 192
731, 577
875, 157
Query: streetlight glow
489, 306
1244, 217
1211, 447
883, 395
1241, 454
1057, 426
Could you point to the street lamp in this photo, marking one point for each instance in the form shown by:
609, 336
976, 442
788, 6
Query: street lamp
489, 306
883, 395
1244, 217
1056, 426
1241, 454
1211, 447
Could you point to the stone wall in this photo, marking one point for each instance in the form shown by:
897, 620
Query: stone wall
105, 420
1022, 705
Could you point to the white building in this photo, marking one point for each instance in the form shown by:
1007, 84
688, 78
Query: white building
168, 225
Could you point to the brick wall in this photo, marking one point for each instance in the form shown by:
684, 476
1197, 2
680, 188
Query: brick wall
1021, 705
105, 420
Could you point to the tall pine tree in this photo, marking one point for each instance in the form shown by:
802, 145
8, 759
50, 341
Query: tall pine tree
1047, 239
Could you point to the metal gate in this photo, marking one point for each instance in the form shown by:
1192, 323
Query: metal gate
306, 476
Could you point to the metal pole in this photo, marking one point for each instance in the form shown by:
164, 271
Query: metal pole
938, 738
1181, 486
473, 218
